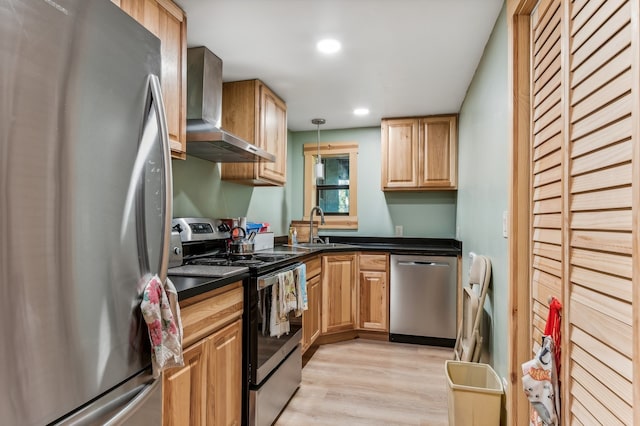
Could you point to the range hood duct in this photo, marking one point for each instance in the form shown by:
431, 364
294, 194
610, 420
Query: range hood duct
205, 137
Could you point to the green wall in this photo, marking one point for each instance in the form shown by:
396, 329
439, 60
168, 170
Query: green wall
199, 192
483, 182
423, 214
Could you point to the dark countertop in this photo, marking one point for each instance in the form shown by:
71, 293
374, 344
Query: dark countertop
406, 245
192, 286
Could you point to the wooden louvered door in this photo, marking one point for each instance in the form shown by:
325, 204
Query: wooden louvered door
547, 168
582, 186
600, 311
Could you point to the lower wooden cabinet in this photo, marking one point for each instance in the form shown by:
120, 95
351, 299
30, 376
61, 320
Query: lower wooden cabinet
184, 390
373, 301
339, 277
373, 296
208, 389
224, 376
311, 318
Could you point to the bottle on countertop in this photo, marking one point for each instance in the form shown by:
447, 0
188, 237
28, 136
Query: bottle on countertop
293, 236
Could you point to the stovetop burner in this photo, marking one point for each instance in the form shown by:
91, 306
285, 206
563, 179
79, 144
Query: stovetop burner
253, 261
226, 261
234, 259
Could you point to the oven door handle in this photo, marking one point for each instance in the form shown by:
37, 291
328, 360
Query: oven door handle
269, 280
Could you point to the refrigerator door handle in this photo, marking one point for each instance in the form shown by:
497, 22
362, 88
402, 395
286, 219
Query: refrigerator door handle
158, 104
138, 401
155, 124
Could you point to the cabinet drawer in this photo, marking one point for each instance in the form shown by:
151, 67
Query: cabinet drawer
207, 315
313, 267
373, 262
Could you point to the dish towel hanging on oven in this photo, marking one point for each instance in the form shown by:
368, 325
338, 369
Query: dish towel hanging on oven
280, 297
288, 294
161, 312
300, 278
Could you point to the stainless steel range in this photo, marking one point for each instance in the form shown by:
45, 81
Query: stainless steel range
272, 365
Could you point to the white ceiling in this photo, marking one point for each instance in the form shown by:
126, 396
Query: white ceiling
398, 57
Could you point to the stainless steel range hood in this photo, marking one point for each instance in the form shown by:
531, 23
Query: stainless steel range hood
205, 137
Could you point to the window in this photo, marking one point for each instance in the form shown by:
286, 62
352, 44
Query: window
337, 193
332, 192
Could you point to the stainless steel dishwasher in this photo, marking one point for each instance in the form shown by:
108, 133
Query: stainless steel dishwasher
423, 299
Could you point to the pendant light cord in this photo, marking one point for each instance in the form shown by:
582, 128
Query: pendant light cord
318, 122
318, 161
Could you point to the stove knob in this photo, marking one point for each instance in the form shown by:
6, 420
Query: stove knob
177, 250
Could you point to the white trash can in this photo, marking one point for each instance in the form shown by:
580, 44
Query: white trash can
475, 394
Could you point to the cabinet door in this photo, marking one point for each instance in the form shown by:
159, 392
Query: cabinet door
438, 152
339, 275
399, 154
273, 135
184, 390
311, 318
373, 301
224, 376
169, 23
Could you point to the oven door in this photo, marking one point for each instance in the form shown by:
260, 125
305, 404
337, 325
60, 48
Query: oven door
271, 350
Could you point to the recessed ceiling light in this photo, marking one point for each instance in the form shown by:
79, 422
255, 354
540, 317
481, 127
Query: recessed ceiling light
328, 46
361, 111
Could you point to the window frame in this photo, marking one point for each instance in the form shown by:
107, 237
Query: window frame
327, 150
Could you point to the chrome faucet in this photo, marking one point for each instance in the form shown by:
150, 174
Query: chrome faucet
312, 238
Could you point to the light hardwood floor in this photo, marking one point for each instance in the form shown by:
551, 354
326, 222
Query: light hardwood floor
367, 382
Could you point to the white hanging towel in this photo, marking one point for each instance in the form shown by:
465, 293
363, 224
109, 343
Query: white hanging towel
540, 383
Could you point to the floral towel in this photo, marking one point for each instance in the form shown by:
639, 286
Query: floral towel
162, 314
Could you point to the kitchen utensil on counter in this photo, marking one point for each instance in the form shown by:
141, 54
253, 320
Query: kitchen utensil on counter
240, 245
231, 223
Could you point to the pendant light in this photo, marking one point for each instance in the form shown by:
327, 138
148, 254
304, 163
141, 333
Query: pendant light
319, 167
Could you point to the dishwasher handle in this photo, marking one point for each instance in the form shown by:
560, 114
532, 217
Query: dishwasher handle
422, 263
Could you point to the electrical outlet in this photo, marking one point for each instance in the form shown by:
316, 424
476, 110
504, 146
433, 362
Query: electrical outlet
505, 222
399, 230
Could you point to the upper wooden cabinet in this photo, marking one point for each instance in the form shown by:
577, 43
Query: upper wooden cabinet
420, 153
339, 277
169, 23
253, 112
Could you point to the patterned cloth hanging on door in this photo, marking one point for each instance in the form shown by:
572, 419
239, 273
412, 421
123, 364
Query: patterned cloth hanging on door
540, 375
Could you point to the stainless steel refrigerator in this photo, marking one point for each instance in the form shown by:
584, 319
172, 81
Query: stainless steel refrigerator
85, 209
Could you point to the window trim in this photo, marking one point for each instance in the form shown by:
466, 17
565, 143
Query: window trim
332, 149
